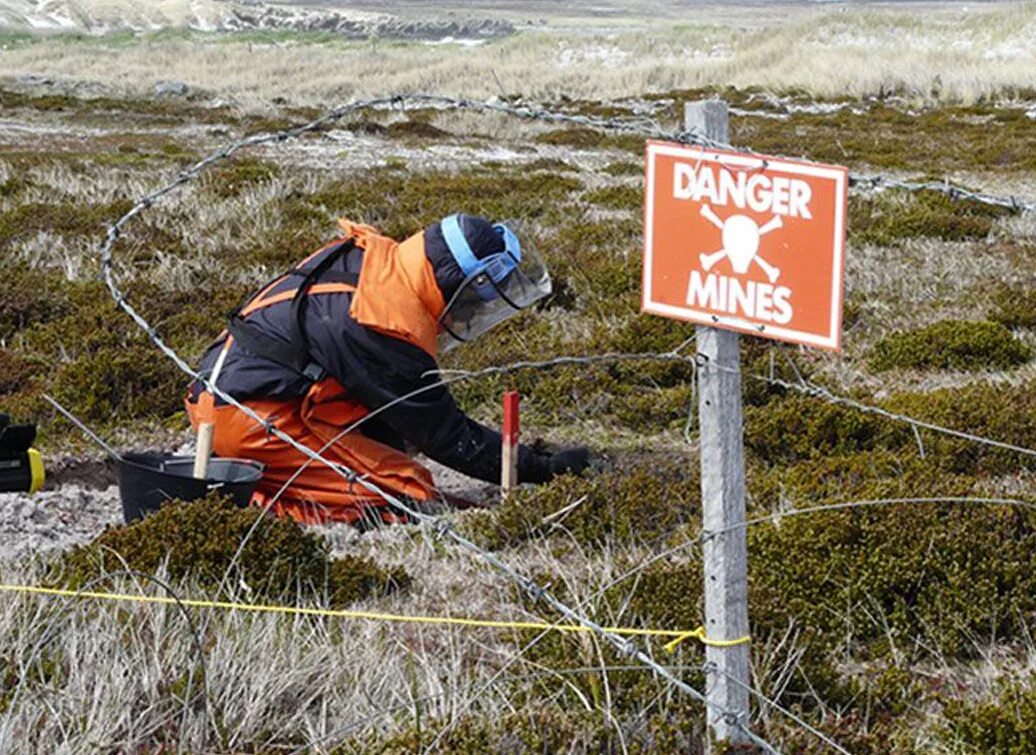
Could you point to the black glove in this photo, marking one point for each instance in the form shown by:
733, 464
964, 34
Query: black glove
571, 461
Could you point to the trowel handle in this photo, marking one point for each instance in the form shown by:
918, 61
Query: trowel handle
204, 450
206, 429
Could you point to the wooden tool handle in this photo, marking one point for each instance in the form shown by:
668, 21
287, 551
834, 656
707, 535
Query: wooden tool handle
204, 451
206, 429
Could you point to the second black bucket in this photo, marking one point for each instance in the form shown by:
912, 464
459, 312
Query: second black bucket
147, 480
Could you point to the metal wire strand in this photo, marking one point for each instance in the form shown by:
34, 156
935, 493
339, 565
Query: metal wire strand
639, 126
712, 668
438, 526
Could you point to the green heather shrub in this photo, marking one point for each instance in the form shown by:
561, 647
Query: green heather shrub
922, 577
549, 164
73, 219
888, 218
29, 296
15, 372
1006, 413
231, 177
798, 427
831, 478
198, 540
638, 503
648, 334
935, 142
14, 185
586, 138
97, 362
269, 125
1015, 307
943, 572
953, 345
763, 360
642, 394
417, 130
853, 308
624, 168
190, 320
364, 127
617, 197
1005, 725
120, 383
402, 204
651, 409
596, 266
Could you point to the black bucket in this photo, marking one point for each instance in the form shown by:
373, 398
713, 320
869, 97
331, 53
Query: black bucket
148, 480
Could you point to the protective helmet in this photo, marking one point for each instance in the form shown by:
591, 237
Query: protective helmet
495, 280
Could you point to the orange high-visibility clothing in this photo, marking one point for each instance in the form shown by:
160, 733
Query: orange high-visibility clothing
353, 328
396, 294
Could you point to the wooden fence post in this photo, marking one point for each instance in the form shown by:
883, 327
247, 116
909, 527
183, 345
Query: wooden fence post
723, 495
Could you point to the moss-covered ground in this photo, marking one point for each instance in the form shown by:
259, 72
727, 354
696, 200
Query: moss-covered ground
868, 622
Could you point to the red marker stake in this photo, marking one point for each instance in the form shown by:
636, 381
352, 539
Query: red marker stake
509, 467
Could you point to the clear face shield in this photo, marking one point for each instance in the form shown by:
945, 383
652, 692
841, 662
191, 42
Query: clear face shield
502, 286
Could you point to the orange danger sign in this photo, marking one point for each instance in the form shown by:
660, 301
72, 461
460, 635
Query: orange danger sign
745, 242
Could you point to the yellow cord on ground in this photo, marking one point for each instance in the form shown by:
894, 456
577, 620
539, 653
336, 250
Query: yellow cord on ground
677, 636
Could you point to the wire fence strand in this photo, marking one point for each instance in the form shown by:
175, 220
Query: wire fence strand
439, 526
645, 127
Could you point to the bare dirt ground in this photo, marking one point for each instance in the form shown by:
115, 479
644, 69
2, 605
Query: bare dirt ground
55, 520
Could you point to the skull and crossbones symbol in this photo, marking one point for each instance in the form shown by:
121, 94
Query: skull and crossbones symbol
741, 237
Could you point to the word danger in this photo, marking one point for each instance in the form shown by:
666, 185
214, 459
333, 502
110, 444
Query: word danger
752, 299
779, 195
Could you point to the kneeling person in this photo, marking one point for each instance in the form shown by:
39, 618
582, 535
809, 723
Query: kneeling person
351, 334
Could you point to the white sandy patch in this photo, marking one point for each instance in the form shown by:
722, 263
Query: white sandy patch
55, 520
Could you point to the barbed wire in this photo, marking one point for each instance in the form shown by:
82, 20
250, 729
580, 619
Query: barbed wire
440, 527
804, 387
641, 126
779, 515
712, 668
652, 129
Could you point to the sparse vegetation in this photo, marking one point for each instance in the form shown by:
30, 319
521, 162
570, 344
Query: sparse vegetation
871, 623
884, 54
951, 345
198, 541
1015, 307
891, 218
629, 504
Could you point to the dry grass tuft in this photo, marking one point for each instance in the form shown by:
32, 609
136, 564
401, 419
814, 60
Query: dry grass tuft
926, 55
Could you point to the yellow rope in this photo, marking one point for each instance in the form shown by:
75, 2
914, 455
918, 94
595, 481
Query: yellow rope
677, 636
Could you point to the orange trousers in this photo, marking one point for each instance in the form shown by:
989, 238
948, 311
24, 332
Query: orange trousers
317, 493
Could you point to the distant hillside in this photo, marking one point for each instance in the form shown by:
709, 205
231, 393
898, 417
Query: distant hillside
100, 16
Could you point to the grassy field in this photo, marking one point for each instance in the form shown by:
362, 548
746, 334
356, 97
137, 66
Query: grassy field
899, 628
940, 54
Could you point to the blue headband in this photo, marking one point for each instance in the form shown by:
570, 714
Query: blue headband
466, 259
